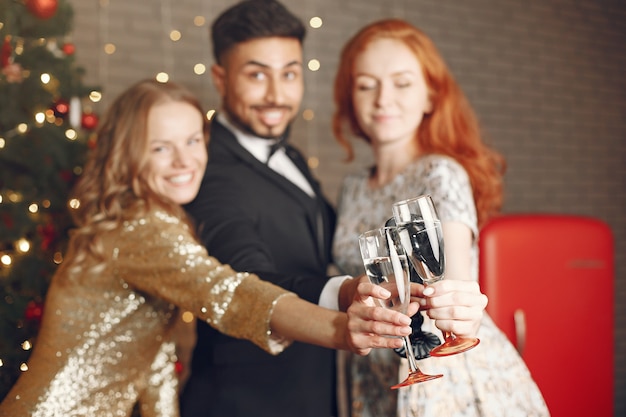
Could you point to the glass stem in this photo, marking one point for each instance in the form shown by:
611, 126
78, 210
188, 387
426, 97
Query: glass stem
409, 354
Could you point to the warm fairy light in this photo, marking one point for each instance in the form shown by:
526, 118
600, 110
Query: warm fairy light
57, 258
50, 117
308, 115
77, 170
313, 162
1, 363
175, 35
210, 114
74, 203
22, 128
23, 367
6, 260
23, 245
40, 117
187, 317
14, 197
162, 77
45, 203
2, 142
199, 21
316, 22
71, 134
0, 198
314, 65
27, 345
199, 69
95, 96
45, 78
109, 49
33, 208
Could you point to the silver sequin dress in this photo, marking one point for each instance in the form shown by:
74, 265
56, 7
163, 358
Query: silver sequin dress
489, 381
105, 341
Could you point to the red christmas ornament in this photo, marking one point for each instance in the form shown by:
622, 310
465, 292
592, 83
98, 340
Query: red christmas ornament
91, 142
43, 9
66, 175
61, 108
178, 366
34, 311
69, 49
48, 235
89, 121
6, 52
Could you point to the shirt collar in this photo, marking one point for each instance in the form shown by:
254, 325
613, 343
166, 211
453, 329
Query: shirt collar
258, 147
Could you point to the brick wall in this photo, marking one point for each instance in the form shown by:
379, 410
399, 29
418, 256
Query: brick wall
545, 76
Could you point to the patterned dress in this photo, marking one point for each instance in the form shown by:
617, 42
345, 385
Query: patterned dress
490, 380
106, 336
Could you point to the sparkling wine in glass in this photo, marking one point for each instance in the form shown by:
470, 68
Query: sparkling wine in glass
386, 265
421, 236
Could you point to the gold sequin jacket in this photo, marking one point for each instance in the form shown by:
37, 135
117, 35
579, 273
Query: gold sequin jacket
105, 341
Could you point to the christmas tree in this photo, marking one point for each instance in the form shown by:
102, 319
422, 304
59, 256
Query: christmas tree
45, 128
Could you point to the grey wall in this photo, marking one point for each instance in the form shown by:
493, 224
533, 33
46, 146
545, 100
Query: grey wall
545, 76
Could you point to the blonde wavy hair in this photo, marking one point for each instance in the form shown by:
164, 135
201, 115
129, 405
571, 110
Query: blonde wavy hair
111, 188
451, 128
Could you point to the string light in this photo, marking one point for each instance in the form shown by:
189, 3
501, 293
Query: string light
308, 115
71, 134
74, 203
199, 69
95, 96
187, 317
314, 65
315, 22
6, 259
109, 49
162, 77
23, 245
175, 35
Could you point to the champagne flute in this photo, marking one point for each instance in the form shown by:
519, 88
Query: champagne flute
386, 265
421, 236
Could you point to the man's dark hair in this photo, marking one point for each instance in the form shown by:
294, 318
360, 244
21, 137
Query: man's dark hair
252, 19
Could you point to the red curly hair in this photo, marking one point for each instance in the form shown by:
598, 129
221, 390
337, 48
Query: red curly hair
451, 128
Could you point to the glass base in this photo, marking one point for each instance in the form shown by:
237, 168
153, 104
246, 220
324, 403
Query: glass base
414, 378
454, 345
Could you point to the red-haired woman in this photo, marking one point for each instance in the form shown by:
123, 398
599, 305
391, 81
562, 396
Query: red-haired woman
394, 91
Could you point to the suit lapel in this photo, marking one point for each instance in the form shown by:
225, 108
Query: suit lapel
316, 217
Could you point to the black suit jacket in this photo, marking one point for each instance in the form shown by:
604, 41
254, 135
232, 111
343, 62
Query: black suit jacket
256, 220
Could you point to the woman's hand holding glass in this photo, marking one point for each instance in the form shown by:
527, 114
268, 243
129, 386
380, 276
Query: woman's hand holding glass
456, 305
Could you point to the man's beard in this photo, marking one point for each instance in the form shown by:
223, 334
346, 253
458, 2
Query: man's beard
246, 127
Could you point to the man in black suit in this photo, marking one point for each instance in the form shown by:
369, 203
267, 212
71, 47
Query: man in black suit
260, 210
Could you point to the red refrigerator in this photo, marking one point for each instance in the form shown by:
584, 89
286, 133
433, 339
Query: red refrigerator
549, 279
